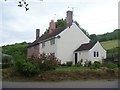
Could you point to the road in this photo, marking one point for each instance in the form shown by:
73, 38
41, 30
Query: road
65, 84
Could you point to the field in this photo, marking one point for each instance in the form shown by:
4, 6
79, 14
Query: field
110, 44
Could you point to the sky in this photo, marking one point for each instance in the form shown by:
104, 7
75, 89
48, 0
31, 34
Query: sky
18, 25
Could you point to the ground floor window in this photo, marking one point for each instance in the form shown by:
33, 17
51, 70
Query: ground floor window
96, 54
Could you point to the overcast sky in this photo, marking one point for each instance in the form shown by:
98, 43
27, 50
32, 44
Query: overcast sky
18, 25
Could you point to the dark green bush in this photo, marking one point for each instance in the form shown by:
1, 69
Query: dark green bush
69, 63
7, 59
95, 66
111, 65
89, 63
6, 65
25, 67
63, 64
97, 62
119, 65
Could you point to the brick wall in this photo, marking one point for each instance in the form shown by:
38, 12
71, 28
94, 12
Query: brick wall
34, 50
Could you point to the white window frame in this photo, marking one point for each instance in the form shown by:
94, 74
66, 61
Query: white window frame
96, 53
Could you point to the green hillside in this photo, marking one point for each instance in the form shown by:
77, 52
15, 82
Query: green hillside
18, 50
110, 44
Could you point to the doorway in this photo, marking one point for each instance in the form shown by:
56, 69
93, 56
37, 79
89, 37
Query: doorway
75, 58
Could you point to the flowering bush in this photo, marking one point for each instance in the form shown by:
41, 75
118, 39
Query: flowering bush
46, 62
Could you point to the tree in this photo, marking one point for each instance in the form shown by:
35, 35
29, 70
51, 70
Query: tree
93, 37
61, 23
18, 50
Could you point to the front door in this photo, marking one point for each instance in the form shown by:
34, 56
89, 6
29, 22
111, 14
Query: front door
75, 58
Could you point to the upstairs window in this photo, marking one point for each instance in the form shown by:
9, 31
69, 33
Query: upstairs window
43, 44
52, 41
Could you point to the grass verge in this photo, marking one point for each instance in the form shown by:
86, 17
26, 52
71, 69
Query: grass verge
63, 75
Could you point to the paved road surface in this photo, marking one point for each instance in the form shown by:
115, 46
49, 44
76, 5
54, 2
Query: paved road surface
67, 84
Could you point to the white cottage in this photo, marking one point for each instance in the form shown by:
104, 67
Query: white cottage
92, 51
68, 43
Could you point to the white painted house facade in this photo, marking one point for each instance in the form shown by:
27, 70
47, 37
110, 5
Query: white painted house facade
66, 43
92, 51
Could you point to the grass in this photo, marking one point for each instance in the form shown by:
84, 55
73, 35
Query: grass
71, 68
110, 44
62, 74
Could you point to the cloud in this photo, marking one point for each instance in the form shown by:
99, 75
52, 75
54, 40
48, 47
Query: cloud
101, 19
97, 16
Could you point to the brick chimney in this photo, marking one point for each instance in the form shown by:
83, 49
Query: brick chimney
51, 26
69, 18
37, 33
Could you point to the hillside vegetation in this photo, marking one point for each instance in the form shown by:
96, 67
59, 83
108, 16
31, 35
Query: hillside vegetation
106, 36
18, 50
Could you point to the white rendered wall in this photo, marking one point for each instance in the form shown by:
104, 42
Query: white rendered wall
84, 55
49, 48
101, 50
70, 39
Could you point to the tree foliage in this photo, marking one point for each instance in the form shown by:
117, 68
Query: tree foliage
62, 23
18, 50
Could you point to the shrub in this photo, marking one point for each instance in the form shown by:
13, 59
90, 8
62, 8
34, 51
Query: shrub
46, 62
89, 63
86, 63
69, 63
118, 64
25, 67
97, 62
95, 66
79, 63
6, 59
63, 64
111, 65
6, 65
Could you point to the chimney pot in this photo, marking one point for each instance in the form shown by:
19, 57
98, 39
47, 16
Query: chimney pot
69, 18
51, 26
